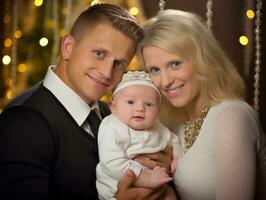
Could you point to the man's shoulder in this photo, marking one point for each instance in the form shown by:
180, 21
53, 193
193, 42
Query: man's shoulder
19, 100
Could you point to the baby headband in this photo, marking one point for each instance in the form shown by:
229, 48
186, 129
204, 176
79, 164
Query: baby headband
135, 78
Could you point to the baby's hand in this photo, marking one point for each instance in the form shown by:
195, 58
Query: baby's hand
159, 176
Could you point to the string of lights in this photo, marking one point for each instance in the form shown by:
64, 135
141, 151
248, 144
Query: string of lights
209, 13
258, 48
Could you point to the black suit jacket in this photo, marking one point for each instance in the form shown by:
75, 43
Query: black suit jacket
44, 154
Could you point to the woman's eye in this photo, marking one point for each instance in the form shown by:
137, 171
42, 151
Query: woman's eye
153, 70
148, 104
175, 64
130, 102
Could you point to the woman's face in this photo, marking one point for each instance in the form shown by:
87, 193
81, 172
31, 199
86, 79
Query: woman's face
173, 75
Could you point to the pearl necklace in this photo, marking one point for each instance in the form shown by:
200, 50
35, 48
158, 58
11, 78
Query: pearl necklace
192, 128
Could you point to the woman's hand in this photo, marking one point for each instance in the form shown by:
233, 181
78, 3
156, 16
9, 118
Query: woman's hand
163, 159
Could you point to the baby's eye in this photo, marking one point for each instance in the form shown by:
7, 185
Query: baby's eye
130, 102
154, 70
119, 64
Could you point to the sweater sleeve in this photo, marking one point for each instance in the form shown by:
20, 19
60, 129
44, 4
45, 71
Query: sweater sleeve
26, 154
235, 131
114, 160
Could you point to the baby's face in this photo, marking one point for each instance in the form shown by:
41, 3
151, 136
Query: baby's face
137, 106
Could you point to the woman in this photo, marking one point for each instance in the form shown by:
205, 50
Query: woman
224, 147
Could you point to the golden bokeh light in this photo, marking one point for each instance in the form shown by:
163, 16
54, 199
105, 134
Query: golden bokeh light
250, 14
95, 2
243, 40
22, 68
9, 94
134, 10
18, 34
38, 2
8, 42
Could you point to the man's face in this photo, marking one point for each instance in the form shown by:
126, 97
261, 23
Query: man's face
97, 62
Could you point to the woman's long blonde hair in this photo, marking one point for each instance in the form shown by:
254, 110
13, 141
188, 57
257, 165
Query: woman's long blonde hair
185, 34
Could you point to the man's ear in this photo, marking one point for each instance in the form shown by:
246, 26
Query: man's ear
111, 105
67, 45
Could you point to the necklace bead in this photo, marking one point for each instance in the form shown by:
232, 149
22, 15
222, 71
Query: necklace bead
192, 128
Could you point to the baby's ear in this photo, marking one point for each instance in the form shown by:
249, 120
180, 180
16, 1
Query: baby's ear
111, 105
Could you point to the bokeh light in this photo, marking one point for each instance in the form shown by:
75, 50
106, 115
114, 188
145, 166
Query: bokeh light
43, 41
95, 2
38, 2
6, 59
22, 68
18, 34
8, 42
134, 10
243, 40
250, 14
9, 94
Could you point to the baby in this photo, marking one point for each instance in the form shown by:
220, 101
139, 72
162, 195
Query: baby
132, 129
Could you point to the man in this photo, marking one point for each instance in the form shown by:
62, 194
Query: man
48, 145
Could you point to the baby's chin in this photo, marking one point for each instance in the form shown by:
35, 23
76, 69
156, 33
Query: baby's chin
140, 127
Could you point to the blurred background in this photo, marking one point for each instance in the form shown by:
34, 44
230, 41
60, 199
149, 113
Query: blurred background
31, 31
